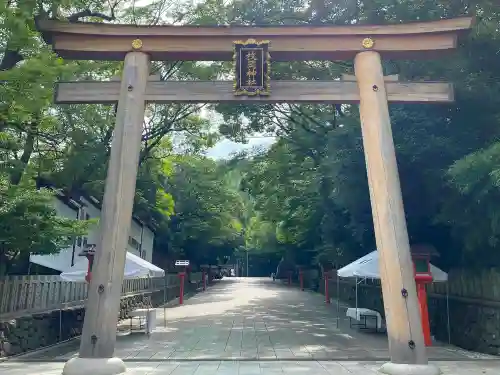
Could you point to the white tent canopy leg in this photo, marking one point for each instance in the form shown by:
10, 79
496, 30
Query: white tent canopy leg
448, 312
356, 296
338, 300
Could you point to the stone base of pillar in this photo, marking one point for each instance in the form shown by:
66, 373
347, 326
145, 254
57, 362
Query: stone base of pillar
94, 366
405, 369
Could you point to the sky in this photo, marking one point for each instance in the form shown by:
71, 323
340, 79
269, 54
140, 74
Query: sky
225, 148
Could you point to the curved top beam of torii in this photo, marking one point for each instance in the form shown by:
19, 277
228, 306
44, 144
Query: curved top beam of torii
98, 41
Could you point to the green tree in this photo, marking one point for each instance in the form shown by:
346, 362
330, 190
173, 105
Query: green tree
30, 224
206, 223
313, 185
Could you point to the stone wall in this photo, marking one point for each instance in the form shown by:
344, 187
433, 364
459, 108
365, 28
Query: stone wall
36, 331
474, 323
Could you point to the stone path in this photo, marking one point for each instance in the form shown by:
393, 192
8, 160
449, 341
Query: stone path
253, 326
253, 368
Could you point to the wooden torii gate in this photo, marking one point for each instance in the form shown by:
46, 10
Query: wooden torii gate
138, 45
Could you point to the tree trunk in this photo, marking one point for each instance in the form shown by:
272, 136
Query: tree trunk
10, 59
29, 145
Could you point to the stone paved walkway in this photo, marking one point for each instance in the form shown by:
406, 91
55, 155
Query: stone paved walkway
253, 326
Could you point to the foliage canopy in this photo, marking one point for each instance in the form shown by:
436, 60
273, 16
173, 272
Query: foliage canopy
306, 197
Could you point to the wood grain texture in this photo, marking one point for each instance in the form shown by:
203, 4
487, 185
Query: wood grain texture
104, 29
352, 78
396, 270
102, 308
90, 41
281, 92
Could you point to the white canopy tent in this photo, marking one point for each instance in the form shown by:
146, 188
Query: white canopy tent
134, 267
367, 267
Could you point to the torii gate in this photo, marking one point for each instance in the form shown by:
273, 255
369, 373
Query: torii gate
137, 45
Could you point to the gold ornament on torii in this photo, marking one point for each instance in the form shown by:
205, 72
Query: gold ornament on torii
368, 43
137, 44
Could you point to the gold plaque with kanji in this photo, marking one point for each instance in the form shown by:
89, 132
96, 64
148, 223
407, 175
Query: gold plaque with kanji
252, 68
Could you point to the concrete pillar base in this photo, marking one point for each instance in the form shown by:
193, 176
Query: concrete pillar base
94, 366
405, 369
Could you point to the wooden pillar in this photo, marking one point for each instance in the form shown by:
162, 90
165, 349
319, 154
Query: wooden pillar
404, 329
101, 315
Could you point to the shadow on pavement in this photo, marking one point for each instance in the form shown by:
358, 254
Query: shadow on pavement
255, 319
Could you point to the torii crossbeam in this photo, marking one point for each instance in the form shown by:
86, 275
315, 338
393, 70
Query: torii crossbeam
341, 92
366, 45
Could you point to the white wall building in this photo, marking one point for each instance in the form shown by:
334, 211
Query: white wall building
140, 239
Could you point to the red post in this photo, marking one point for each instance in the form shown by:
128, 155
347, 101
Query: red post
90, 258
181, 287
88, 276
289, 278
327, 294
423, 275
89, 253
424, 313
204, 280
301, 278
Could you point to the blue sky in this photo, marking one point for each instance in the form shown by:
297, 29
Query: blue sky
225, 148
